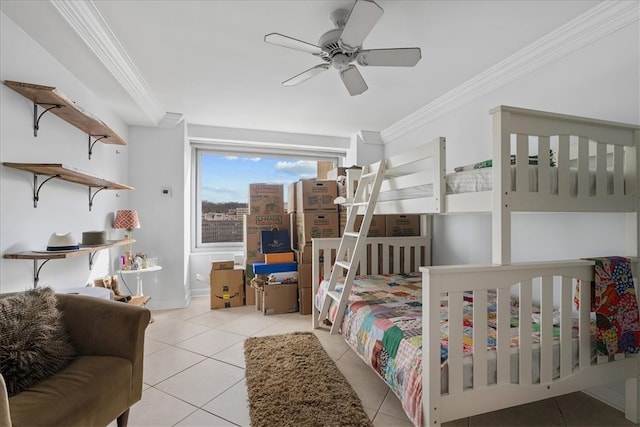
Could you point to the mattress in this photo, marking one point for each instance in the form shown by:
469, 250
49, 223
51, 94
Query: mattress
383, 325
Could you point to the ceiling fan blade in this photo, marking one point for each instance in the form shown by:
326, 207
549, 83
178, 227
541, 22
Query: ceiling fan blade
306, 75
362, 18
353, 80
402, 57
291, 43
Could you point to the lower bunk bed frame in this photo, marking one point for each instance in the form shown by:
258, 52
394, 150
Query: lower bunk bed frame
543, 281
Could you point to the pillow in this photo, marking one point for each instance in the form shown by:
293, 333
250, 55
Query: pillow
34, 343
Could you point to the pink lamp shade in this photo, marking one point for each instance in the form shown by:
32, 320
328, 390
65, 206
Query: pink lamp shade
127, 219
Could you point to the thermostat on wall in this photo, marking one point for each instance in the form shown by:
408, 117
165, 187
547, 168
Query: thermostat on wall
165, 191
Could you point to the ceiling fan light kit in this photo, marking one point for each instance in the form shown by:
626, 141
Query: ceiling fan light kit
341, 47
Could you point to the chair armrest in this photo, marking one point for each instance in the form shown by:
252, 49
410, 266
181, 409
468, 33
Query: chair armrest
99, 327
5, 417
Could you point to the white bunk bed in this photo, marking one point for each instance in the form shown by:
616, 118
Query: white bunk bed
602, 152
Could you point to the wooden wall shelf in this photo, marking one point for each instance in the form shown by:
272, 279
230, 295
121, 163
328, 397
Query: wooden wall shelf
46, 256
65, 173
51, 99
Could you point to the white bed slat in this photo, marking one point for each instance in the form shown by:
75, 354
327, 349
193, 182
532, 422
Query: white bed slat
480, 338
455, 342
504, 333
526, 302
563, 166
601, 169
583, 167
566, 339
522, 163
546, 330
618, 170
544, 161
585, 324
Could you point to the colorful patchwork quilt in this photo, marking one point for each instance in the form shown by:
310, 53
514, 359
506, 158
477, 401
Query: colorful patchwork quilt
383, 324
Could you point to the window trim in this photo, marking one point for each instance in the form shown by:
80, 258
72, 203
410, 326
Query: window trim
220, 147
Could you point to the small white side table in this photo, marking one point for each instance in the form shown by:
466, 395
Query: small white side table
138, 274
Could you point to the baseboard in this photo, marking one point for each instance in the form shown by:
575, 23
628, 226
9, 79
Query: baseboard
608, 395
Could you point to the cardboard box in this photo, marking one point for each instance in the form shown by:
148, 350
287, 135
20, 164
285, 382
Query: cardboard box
304, 275
323, 168
274, 241
227, 288
253, 225
222, 265
377, 228
403, 225
258, 297
266, 199
264, 268
249, 295
279, 258
305, 300
316, 195
304, 255
318, 224
280, 298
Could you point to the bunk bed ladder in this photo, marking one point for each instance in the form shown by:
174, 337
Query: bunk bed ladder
352, 248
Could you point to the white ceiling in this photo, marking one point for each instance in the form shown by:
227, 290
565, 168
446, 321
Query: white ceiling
207, 59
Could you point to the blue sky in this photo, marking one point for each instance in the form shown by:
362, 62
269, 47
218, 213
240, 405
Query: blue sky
227, 178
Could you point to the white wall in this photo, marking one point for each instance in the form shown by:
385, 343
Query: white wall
159, 159
601, 80
63, 206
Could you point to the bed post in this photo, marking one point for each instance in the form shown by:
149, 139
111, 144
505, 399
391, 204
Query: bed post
501, 212
631, 165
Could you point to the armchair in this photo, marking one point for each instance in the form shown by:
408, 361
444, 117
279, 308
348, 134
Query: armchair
102, 383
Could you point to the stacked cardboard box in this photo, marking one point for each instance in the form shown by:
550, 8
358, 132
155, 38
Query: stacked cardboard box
265, 199
402, 225
278, 289
227, 285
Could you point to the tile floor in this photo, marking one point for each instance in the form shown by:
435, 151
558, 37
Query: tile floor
194, 376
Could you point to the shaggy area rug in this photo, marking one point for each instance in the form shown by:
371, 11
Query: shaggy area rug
293, 382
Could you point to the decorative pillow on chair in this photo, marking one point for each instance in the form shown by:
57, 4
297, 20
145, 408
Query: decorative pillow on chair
34, 343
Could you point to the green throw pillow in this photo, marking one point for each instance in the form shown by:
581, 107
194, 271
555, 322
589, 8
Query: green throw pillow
34, 343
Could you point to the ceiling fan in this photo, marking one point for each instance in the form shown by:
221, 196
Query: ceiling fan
341, 47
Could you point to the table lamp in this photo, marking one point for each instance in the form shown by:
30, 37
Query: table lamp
127, 219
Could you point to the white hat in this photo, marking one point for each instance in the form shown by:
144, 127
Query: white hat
62, 242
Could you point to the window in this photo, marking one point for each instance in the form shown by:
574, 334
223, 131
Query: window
222, 189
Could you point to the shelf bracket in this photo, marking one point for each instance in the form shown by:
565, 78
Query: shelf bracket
36, 187
92, 196
98, 138
36, 117
91, 255
36, 271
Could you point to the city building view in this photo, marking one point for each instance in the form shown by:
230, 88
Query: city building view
224, 190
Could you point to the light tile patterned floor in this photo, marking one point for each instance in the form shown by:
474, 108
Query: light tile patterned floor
194, 376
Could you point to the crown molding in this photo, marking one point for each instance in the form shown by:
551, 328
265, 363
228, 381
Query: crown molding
87, 21
596, 23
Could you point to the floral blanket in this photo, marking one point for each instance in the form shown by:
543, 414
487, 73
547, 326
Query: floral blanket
613, 300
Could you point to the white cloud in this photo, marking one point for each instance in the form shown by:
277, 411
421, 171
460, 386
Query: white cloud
299, 168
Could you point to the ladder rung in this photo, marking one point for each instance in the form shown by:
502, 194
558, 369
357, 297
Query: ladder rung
351, 234
334, 295
368, 175
359, 204
343, 264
